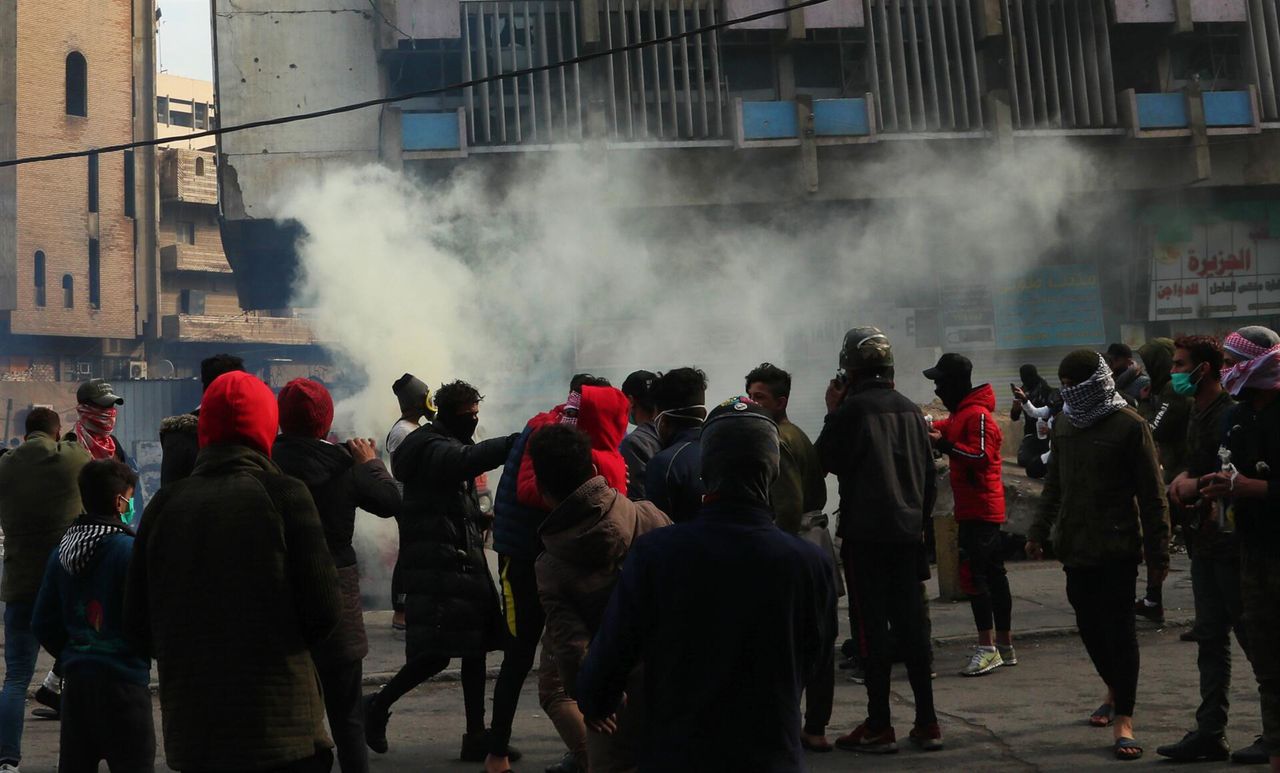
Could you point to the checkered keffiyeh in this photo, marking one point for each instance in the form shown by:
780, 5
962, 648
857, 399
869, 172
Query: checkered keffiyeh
1261, 369
1092, 400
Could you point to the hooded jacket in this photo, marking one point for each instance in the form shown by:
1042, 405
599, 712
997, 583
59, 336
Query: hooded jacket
39, 499
1167, 412
586, 538
179, 444
79, 614
515, 525
230, 585
451, 604
603, 417
673, 479
339, 486
971, 438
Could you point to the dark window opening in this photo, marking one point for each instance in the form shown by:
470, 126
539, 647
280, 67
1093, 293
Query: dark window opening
95, 275
130, 206
162, 110
39, 269
93, 182
199, 167
77, 83
186, 232
201, 112
428, 64
180, 118
832, 63
68, 291
749, 68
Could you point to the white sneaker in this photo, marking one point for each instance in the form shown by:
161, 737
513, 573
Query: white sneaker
9, 768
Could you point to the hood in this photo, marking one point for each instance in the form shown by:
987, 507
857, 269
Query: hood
739, 452
187, 423
983, 396
239, 409
80, 543
603, 416
1157, 356
593, 527
314, 462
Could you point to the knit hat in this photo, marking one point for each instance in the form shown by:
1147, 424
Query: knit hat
740, 455
306, 409
413, 394
1079, 365
239, 409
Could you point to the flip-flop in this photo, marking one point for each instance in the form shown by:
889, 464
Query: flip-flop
1103, 716
813, 747
1123, 745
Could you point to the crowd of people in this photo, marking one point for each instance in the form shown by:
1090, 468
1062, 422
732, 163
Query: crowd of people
679, 581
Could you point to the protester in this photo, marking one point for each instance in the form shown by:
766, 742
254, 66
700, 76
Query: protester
672, 479
79, 619
451, 604
97, 405
800, 490
1131, 379
1034, 391
340, 479
39, 499
1167, 412
519, 512
643, 442
971, 439
875, 441
179, 440
230, 586
587, 535
415, 401
1251, 505
1215, 554
730, 616
1104, 509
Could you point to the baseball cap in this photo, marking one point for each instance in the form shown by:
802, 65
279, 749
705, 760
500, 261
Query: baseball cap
950, 365
98, 392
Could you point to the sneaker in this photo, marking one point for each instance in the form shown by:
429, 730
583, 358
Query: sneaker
375, 724
9, 767
1007, 654
397, 621
49, 699
862, 740
857, 675
567, 764
927, 737
1189, 635
1197, 747
984, 661
1154, 613
1254, 754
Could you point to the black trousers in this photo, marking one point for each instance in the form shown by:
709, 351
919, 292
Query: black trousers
884, 586
104, 718
1103, 600
820, 695
1260, 589
341, 683
525, 621
992, 601
419, 670
1219, 611
321, 762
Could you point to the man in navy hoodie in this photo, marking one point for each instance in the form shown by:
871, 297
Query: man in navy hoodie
77, 618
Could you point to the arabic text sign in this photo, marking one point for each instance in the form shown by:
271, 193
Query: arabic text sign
1051, 306
1226, 270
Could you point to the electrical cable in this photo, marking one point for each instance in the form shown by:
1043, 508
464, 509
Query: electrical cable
353, 106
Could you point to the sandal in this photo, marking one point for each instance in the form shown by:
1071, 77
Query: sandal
1103, 716
1127, 749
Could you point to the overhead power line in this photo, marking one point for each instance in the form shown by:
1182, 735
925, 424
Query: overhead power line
352, 107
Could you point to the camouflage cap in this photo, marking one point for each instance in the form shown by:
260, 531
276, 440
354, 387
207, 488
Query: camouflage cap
865, 347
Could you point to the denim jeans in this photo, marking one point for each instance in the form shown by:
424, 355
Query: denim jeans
20, 650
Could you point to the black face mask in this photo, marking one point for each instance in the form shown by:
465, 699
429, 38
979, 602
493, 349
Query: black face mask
462, 427
951, 393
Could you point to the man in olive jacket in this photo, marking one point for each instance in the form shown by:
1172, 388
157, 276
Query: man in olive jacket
1104, 509
39, 499
230, 586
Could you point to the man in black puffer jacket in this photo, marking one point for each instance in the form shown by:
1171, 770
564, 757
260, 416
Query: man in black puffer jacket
451, 604
340, 479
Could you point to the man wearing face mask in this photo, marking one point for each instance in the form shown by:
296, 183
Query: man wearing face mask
1249, 503
971, 439
1215, 554
673, 479
98, 406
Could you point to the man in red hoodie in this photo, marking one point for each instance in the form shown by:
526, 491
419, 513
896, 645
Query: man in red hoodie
971, 439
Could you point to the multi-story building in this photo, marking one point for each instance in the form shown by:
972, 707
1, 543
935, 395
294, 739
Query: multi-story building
183, 106
1172, 105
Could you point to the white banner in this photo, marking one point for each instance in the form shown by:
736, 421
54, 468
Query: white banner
1226, 270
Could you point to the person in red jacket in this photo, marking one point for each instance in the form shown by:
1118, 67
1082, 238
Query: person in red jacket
971, 439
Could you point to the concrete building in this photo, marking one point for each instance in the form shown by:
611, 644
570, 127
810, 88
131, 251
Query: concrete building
183, 106
1172, 105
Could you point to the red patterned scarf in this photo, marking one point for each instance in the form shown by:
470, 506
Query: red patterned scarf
94, 429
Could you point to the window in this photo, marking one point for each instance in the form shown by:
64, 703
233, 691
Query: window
93, 182
180, 118
201, 112
77, 84
95, 275
199, 167
162, 110
129, 204
68, 291
39, 277
186, 232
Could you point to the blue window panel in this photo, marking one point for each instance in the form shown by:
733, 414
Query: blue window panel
1228, 108
429, 131
769, 120
1162, 111
841, 118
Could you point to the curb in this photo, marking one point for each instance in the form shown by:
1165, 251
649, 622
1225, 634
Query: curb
1037, 634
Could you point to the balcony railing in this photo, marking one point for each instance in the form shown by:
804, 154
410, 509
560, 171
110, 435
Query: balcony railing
249, 329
